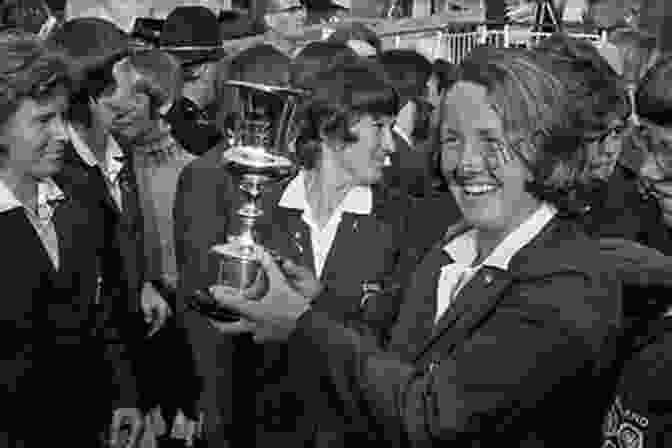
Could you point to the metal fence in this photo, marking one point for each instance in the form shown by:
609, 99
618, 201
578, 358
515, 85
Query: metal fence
454, 44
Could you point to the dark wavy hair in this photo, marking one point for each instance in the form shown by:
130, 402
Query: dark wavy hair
653, 99
599, 89
533, 105
338, 97
94, 45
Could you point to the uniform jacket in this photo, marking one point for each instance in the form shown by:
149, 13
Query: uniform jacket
508, 364
365, 251
54, 360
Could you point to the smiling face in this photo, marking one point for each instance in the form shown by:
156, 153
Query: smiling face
363, 160
486, 177
656, 168
604, 149
126, 111
34, 137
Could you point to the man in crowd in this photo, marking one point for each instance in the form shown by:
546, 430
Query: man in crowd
192, 117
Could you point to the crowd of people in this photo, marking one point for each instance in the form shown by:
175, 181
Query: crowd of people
475, 254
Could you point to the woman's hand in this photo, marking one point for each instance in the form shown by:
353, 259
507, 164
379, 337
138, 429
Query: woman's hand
274, 316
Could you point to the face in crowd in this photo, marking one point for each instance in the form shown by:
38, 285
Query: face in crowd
286, 16
125, 109
604, 149
485, 175
365, 159
656, 168
34, 136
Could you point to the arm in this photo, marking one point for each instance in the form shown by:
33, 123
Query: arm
519, 355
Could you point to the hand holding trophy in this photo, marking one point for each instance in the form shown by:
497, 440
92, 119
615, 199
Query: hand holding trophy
257, 156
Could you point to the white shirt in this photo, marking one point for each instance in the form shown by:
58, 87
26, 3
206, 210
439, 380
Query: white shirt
113, 165
463, 251
358, 200
48, 194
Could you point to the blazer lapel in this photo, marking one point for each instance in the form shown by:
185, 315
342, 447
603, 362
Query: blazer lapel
284, 230
416, 317
473, 302
347, 241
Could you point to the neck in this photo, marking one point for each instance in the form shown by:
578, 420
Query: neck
488, 239
96, 138
326, 187
24, 187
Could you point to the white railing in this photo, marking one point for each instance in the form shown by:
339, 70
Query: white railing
453, 45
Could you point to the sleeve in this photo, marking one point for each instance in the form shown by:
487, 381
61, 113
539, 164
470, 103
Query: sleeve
526, 348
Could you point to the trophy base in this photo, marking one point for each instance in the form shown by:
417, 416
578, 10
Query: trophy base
239, 265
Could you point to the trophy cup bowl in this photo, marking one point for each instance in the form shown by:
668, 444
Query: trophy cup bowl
257, 156
253, 168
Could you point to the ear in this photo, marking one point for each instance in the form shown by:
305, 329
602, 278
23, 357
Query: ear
270, 20
200, 70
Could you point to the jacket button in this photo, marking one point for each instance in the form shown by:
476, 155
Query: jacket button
488, 278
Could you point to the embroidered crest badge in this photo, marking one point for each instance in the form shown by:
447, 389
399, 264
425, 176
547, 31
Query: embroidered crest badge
623, 428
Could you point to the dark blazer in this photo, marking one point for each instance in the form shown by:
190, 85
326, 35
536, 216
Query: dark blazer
508, 364
118, 320
53, 360
123, 256
365, 250
203, 199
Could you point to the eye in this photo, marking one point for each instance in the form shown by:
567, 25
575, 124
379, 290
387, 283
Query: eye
450, 139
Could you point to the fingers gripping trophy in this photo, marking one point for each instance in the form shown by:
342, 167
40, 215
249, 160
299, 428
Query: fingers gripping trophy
258, 156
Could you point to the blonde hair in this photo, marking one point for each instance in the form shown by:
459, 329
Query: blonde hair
157, 74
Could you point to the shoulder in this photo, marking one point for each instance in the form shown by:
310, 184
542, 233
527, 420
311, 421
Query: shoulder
563, 270
206, 168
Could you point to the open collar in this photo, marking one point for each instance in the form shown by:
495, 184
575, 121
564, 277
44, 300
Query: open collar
358, 200
463, 249
47, 193
114, 156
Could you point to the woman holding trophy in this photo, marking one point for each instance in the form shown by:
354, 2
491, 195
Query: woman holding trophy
335, 220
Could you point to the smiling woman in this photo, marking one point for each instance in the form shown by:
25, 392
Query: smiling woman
33, 100
49, 260
507, 142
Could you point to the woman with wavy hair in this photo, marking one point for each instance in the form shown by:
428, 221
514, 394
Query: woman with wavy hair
339, 222
506, 317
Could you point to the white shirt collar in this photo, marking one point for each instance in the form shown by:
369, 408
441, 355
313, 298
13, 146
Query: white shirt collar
403, 135
358, 200
47, 191
112, 152
81, 148
463, 249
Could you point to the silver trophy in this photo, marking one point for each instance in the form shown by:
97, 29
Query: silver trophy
258, 156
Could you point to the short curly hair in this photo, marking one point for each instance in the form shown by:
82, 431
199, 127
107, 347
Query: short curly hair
338, 97
28, 70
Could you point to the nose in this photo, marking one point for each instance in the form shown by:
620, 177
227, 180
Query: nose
471, 157
650, 169
387, 140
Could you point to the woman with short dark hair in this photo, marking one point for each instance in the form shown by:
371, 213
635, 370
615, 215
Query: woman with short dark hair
336, 219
